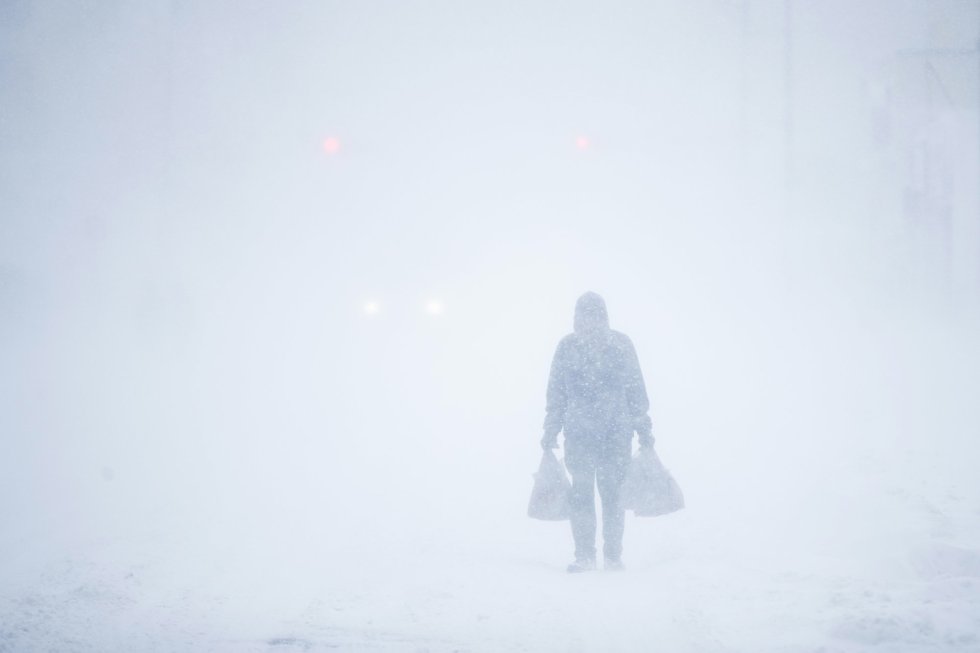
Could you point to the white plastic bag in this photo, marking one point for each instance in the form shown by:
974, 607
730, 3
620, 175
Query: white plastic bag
649, 489
549, 497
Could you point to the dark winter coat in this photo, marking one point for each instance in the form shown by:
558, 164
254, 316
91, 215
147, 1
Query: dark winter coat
596, 393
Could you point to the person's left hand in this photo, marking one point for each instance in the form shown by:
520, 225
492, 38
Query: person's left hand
549, 442
646, 441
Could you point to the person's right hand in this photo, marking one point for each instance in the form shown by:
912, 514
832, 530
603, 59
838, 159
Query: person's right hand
549, 442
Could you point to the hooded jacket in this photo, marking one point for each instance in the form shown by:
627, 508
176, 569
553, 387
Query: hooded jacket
596, 391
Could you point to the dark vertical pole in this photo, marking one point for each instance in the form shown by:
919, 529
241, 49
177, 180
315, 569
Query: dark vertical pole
743, 116
788, 104
785, 228
166, 167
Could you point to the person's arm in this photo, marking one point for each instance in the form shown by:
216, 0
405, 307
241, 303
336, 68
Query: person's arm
636, 397
556, 401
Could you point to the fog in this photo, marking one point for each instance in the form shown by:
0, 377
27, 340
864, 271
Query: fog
280, 284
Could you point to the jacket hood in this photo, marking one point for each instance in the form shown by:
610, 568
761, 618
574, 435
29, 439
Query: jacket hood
591, 317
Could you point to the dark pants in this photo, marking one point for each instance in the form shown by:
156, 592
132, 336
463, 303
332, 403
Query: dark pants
605, 466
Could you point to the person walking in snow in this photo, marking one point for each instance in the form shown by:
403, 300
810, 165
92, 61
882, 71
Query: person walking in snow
597, 398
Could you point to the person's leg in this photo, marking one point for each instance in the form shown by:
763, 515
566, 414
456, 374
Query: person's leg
582, 504
610, 474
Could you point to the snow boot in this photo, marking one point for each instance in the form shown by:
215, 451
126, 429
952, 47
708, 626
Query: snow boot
613, 564
579, 566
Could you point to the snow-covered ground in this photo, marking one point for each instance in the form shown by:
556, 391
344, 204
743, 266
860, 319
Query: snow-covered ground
799, 536
691, 585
